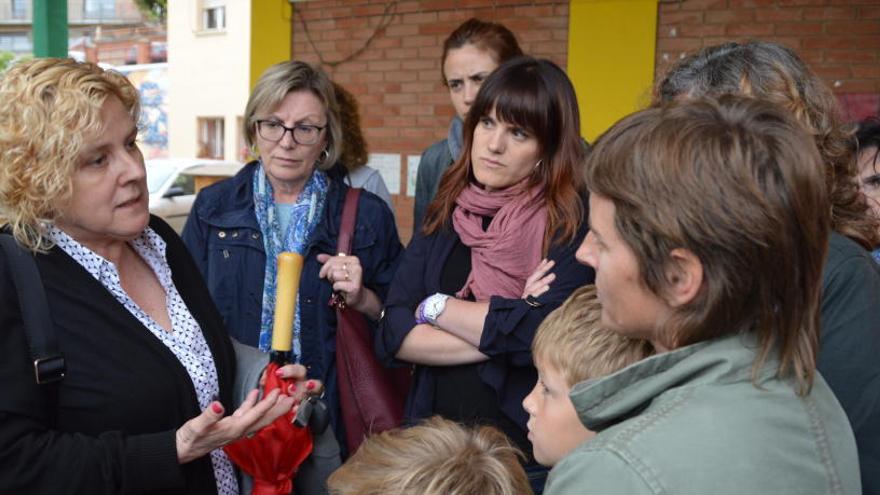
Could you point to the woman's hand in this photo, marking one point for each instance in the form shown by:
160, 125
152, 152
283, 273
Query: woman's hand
210, 430
300, 386
345, 274
539, 281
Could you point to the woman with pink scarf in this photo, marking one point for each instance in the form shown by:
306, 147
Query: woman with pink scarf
463, 308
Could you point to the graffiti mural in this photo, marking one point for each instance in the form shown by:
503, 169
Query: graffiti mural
151, 80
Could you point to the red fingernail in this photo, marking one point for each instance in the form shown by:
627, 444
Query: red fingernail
310, 385
293, 388
216, 407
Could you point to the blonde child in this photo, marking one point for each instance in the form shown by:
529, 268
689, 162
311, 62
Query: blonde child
571, 346
436, 457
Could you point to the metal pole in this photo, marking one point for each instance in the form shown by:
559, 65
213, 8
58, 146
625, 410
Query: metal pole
50, 28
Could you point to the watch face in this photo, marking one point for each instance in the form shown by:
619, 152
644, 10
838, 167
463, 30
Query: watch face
434, 307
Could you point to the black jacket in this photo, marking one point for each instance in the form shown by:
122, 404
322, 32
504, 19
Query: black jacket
124, 395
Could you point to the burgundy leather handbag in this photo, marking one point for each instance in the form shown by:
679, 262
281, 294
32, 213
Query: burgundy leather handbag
371, 396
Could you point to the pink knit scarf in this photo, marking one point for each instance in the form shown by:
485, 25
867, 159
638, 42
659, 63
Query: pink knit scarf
506, 253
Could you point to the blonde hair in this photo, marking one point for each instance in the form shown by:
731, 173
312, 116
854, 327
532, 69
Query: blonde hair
436, 457
282, 79
572, 340
49, 108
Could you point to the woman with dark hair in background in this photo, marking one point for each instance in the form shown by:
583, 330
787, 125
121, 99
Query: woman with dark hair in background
868, 146
514, 197
355, 154
470, 54
850, 338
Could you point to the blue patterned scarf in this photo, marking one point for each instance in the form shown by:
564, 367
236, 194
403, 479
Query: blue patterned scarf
307, 213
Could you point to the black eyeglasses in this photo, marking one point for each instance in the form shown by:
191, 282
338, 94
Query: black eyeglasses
272, 130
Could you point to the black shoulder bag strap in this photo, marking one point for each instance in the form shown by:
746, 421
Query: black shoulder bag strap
48, 362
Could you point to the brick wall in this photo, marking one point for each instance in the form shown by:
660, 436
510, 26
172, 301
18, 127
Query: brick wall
396, 78
405, 108
839, 39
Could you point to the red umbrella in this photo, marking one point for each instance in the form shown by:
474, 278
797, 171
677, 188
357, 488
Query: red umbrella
272, 456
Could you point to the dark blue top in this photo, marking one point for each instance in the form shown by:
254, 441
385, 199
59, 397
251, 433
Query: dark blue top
507, 331
224, 237
849, 347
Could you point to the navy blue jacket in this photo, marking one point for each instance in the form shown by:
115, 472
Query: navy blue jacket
508, 330
224, 237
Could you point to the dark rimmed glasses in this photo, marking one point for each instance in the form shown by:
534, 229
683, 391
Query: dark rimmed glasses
305, 134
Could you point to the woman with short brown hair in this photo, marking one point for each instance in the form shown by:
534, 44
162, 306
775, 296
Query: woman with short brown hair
690, 207
850, 337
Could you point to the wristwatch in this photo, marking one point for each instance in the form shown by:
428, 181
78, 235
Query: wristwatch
432, 307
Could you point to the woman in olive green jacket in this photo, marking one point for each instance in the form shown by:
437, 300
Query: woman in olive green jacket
708, 231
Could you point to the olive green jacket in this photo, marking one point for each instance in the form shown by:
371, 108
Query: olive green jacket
691, 421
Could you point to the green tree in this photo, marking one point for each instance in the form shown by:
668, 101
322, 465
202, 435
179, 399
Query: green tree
155, 10
8, 59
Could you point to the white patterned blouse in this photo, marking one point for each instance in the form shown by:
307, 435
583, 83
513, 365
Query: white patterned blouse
185, 339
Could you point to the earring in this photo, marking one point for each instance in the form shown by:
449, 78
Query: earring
324, 156
539, 163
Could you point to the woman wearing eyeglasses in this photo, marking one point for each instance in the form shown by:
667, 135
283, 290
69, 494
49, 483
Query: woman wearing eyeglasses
290, 199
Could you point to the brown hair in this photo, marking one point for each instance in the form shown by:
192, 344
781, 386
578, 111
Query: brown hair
489, 36
354, 153
868, 138
49, 107
740, 185
536, 95
774, 72
437, 457
284, 78
572, 340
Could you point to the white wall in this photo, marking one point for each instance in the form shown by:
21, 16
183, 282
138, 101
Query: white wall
208, 74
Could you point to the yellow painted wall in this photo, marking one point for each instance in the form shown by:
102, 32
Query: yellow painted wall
270, 35
611, 46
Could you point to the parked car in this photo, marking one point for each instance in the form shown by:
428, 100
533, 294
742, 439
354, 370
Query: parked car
174, 182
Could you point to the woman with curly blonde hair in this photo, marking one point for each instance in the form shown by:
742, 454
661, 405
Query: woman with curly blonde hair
850, 338
149, 366
436, 457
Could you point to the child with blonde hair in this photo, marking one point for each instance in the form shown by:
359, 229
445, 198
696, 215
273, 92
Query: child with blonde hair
436, 457
569, 347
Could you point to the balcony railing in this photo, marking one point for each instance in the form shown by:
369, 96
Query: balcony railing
79, 12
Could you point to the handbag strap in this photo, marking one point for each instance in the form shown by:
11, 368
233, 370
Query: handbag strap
49, 365
349, 216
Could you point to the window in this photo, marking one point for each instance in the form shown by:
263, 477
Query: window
213, 15
210, 138
244, 154
158, 51
186, 182
99, 9
21, 10
15, 42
